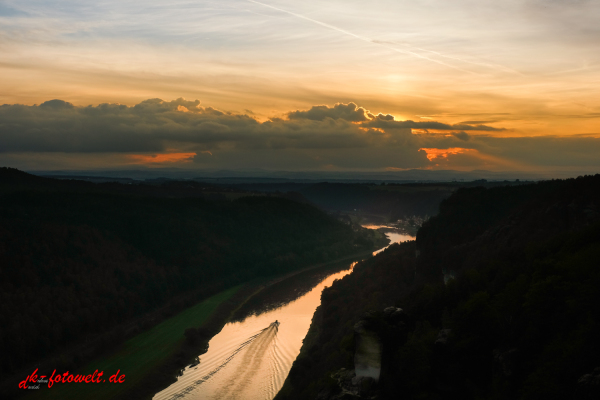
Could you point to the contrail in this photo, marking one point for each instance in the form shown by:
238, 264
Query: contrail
489, 65
364, 39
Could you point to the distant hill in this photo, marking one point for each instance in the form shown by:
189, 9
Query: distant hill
386, 202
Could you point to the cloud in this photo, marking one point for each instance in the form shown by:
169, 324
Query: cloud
349, 112
344, 135
548, 151
7, 11
384, 122
153, 124
478, 122
353, 113
56, 105
462, 135
58, 126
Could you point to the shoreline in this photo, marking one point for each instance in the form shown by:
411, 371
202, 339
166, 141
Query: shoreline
222, 316
163, 371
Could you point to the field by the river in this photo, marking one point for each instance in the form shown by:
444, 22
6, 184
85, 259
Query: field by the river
139, 355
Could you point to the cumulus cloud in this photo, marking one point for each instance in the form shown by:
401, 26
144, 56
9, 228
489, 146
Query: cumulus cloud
344, 135
353, 113
348, 112
58, 126
153, 124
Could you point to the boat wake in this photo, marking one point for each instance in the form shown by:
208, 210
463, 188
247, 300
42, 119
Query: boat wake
256, 347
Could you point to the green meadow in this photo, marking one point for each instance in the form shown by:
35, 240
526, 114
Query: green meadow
137, 356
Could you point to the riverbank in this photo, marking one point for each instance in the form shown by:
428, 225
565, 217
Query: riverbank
331, 338
224, 315
150, 360
325, 264
258, 372
144, 358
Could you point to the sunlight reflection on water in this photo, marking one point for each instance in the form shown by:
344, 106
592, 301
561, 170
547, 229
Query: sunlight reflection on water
250, 359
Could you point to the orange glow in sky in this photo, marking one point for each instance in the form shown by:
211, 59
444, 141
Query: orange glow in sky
516, 81
432, 154
161, 158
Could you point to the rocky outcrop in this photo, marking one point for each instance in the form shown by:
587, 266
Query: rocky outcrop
367, 356
588, 386
369, 334
442, 337
505, 361
350, 387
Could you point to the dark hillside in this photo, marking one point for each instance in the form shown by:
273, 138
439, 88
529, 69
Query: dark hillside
477, 221
517, 317
78, 259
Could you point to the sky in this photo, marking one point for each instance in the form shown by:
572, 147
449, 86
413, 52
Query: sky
301, 86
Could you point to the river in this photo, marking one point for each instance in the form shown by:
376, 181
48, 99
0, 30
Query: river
251, 357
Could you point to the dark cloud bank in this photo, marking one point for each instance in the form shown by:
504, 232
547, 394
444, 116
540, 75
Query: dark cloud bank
343, 136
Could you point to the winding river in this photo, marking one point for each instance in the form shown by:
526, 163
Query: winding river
252, 355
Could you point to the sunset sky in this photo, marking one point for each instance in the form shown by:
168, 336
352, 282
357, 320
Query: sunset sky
313, 85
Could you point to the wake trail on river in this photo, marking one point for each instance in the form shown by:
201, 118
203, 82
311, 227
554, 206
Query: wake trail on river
256, 353
255, 349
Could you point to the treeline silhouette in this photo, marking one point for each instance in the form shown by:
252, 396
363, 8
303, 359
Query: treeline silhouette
383, 200
390, 200
81, 260
516, 318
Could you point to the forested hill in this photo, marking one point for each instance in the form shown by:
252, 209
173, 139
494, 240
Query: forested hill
77, 259
389, 202
516, 319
